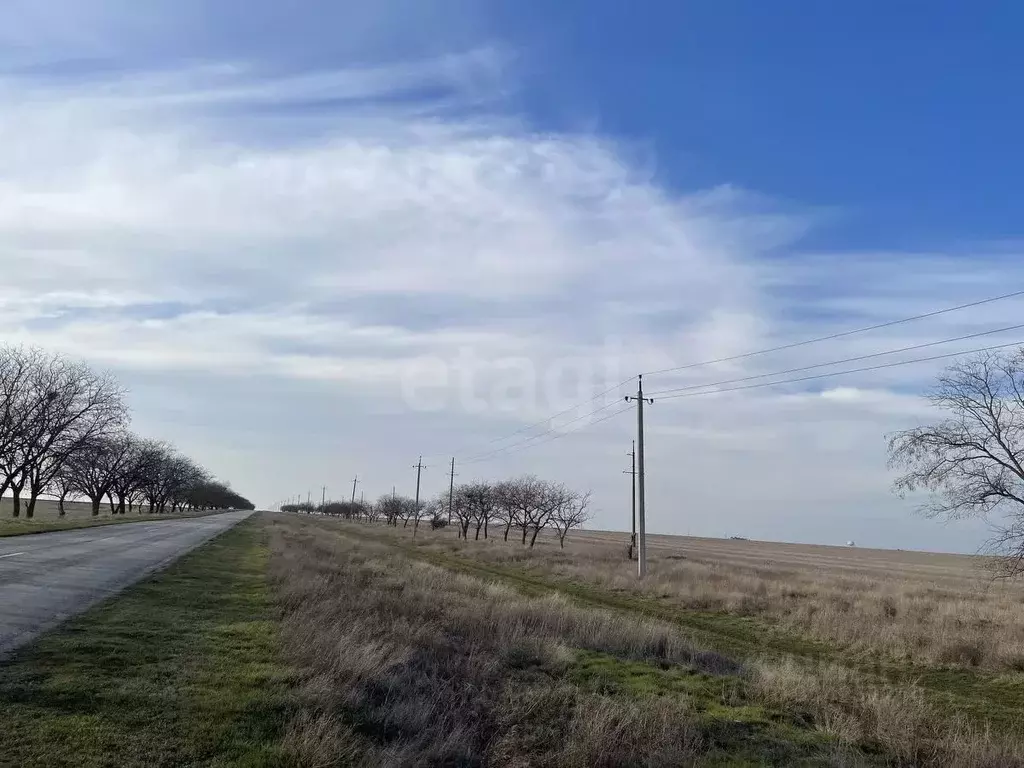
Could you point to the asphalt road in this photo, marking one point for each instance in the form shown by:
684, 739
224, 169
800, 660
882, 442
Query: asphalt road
47, 577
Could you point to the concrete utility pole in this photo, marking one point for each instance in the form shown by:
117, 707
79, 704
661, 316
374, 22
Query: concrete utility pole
323, 499
632, 471
639, 399
419, 471
354, 481
451, 491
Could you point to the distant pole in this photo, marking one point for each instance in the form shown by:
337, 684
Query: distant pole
309, 498
639, 399
394, 493
354, 481
323, 499
632, 471
451, 491
419, 472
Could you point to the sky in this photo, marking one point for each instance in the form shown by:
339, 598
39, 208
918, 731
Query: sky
316, 240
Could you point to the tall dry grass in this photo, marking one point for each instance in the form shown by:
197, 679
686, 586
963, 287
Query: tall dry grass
403, 663
905, 606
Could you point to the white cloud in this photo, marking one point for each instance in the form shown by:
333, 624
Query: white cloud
264, 293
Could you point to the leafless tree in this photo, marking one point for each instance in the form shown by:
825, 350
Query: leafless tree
461, 512
93, 468
571, 510
61, 486
972, 462
51, 407
506, 510
478, 503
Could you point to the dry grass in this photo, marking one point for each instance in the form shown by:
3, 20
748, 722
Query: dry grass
405, 663
912, 607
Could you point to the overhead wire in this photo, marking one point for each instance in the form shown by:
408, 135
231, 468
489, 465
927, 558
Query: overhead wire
839, 335
843, 361
548, 419
846, 372
539, 435
557, 436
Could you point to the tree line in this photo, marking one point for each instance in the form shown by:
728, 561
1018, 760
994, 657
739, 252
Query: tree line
64, 433
522, 507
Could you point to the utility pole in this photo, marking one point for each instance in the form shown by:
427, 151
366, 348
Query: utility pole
451, 491
632, 539
323, 499
354, 481
309, 498
419, 471
639, 399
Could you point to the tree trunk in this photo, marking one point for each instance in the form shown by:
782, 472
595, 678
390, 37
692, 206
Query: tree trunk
110, 500
525, 529
16, 500
465, 529
533, 539
30, 508
478, 527
60, 503
486, 520
96, 501
120, 504
561, 540
508, 527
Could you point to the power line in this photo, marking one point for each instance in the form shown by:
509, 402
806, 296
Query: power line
839, 335
562, 413
540, 434
846, 372
547, 419
563, 434
839, 362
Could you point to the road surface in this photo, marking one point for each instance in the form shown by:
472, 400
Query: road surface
47, 577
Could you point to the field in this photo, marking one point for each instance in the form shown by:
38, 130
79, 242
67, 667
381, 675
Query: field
906, 606
78, 515
830, 655
305, 641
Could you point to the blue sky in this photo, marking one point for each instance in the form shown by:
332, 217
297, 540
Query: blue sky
317, 239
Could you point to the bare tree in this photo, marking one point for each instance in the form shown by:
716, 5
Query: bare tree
52, 405
389, 508
972, 462
61, 486
462, 512
506, 510
477, 502
92, 469
571, 510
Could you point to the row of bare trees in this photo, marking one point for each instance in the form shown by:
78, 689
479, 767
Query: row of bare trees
64, 433
525, 505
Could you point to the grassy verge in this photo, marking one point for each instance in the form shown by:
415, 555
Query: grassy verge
23, 527
180, 670
403, 663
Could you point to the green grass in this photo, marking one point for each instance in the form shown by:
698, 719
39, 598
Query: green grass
989, 698
740, 732
23, 527
180, 670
